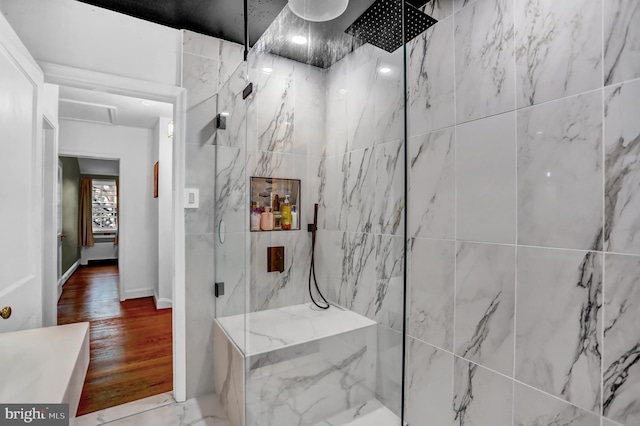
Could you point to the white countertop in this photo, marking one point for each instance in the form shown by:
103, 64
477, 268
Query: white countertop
291, 325
44, 365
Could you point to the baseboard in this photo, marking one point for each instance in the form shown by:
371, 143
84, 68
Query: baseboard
65, 277
161, 303
137, 294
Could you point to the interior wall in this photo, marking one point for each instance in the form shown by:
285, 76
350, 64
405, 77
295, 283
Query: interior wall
523, 290
360, 250
76, 34
70, 206
138, 226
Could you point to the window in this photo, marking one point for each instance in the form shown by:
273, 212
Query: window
105, 206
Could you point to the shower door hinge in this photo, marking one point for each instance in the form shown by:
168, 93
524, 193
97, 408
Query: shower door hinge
247, 91
219, 289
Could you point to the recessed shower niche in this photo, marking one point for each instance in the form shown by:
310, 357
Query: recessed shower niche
275, 204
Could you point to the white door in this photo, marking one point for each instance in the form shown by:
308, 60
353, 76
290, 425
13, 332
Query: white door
21, 209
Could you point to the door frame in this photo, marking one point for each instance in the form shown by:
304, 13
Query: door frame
92, 80
50, 219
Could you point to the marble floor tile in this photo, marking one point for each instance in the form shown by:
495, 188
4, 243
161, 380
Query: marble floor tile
480, 396
485, 302
621, 41
621, 346
429, 385
622, 172
431, 292
560, 188
559, 323
486, 180
558, 49
201, 411
370, 413
125, 410
533, 408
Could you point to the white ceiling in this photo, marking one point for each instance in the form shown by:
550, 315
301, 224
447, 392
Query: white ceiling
93, 166
107, 108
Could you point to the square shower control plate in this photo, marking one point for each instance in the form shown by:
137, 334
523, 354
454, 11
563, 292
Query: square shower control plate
275, 259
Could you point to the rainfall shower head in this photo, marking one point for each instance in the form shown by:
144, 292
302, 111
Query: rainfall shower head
381, 24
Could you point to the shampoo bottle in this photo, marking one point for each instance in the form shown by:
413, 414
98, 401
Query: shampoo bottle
285, 209
255, 217
294, 218
266, 220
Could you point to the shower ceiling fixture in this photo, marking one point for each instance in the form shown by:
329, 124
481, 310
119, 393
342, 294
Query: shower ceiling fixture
318, 10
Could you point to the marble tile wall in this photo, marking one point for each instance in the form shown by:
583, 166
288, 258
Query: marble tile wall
524, 216
206, 62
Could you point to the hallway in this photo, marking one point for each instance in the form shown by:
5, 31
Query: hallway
131, 346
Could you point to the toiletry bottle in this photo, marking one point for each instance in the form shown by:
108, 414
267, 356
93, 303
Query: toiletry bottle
294, 218
266, 220
285, 209
255, 217
277, 221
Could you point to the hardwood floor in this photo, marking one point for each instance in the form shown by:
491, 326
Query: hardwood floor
131, 350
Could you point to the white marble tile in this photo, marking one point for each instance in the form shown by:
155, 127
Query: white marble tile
319, 383
622, 172
480, 396
431, 79
459, 4
269, 290
485, 301
438, 9
200, 78
228, 375
621, 41
388, 98
204, 410
200, 298
621, 353
331, 247
358, 291
361, 184
310, 111
369, 413
558, 49
533, 408
559, 321
231, 56
269, 164
230, 268
389, 194
336, 96
274, 95
389, 293
230, 102
484, 66
431, 292
201, 125
200, 44
388, 378
432, 185
200, 172
312, 171
231, 178
125, 410
334, 200
560, 188
606, 422
361, 123
486, 180
289, 325
429, 385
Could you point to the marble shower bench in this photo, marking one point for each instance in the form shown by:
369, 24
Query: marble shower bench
296, 365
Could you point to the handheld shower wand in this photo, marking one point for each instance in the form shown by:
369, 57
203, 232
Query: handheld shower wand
313, 227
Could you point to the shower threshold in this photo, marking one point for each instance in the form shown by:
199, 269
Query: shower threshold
370, 413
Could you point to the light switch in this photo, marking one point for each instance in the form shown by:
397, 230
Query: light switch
191, 198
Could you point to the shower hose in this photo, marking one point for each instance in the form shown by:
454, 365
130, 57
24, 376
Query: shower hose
312, 268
